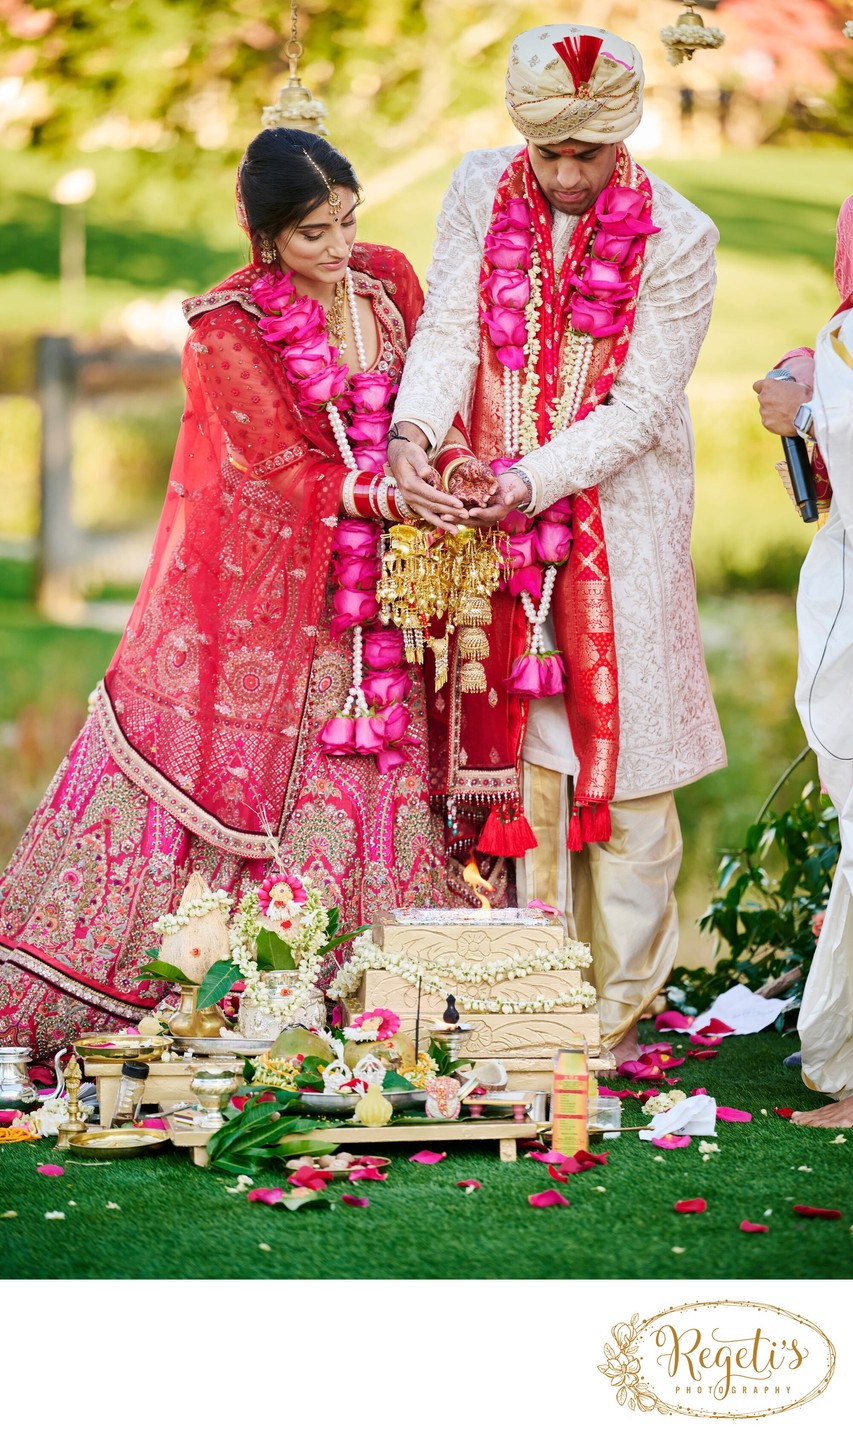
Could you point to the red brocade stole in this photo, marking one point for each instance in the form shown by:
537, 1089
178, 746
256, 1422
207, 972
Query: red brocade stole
476, 739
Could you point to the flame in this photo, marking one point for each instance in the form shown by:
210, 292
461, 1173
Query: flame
472, 875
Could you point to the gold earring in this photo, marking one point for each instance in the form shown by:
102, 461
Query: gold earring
269, 253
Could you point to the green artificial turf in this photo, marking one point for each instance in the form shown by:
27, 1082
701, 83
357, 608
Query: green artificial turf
174, 1220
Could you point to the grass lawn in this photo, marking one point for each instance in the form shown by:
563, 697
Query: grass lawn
174, 1220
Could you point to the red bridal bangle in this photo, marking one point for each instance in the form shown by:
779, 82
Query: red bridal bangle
373, 496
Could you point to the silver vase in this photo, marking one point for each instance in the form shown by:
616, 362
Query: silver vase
255, 1023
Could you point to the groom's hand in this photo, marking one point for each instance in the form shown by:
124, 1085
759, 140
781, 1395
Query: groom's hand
418, 482
511, 492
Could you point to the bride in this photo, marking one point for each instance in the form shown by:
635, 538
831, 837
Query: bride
253, 691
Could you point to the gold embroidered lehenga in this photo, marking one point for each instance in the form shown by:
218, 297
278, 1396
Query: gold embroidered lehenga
205, 728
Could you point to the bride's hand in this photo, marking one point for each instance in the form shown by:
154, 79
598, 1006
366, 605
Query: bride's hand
511, 492
419, 484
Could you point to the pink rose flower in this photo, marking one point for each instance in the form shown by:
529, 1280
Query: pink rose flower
369, 461
370, 392
369, 734
511, 356
594, 317
383, 648
352, 607
623, 211
603, 281
507, 290
350, 571
304, 359
553, 542
617, 249
389, 759
537, 676
505, 326
515, 216
560, 511
510, 250
273, 291
515, 522
390, 687
299, 322
338, 735
356, 536
395, 720
527, 581
369, 429
323, 385
522, 550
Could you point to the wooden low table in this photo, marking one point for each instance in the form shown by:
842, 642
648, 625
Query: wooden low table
505, 1134
166, 1084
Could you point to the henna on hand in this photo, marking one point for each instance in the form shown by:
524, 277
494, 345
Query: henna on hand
473, 482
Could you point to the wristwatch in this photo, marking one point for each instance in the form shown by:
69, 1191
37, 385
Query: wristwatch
804, 421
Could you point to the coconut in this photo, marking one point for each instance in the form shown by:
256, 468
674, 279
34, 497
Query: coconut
293, 1041
202, 941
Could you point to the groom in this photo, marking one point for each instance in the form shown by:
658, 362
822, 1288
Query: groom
569, 295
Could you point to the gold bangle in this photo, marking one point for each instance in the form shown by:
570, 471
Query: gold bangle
451, 469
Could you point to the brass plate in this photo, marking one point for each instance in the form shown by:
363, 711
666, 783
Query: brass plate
118, 1142
331, 1173
118, 1047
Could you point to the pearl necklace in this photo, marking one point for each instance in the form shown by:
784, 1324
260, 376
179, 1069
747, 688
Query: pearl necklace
537, 617
335, 419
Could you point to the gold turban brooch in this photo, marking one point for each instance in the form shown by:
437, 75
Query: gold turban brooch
572, 82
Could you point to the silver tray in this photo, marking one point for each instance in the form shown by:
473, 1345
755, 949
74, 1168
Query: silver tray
221, 1047
401, 1100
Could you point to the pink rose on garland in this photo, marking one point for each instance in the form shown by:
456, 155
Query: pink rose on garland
369, 429
352, 607
337, 736
600, 280
308, 357
526, 581
322, 385
273, 291
383, 648
515, 216
593, 316
351, 571
559, 512
390, 687
301, 321
370, 392
537, 676
510, 249
369, 733
514, 522
505, 326
369, 461
623, 211
507, 290
617, 249
521, 550
553, 542
356, 536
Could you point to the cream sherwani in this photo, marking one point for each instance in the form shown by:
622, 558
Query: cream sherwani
824, 689
638, 448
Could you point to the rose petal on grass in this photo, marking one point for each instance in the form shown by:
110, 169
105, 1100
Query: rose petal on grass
706, 1040
427, 1156
701, 1052
783, 1112
690, 1205
469, 1184
549, 1198
582, 1161
550, 1155
716, 1025
353, 1200
308, 1177
50, 1170
557, 1175
733, 1115
672, 1140
753, 1226
616, 1092
698, 1092
270, 1196
671, 1021
803, 1211
366, 1175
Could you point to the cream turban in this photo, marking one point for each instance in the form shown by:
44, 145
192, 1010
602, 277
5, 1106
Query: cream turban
573, 82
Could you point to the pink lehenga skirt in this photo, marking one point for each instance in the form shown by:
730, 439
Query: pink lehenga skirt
101, 861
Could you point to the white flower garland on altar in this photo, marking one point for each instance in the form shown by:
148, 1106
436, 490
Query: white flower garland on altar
196, 908
449, 971
310, 937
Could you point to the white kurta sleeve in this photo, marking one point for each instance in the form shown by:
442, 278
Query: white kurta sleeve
442, 361
673, 314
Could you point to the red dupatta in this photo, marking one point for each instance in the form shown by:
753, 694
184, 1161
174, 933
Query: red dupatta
476, 739
202, 704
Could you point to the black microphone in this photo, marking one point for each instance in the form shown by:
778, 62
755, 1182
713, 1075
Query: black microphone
799, 464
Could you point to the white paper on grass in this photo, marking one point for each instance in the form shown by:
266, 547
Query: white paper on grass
694, 1116
742, 1010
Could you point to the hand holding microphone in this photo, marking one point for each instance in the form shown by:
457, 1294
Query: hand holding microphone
793, 422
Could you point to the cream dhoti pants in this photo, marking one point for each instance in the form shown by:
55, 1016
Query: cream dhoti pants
618, 896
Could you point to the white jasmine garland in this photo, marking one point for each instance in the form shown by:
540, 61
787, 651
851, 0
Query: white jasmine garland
196, 908
445, 972
305, 946
663, 1102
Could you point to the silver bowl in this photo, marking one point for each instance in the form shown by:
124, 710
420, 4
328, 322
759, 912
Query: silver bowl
335, 1104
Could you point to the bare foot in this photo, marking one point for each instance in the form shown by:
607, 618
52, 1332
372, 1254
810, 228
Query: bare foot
625, 1051
834, 1115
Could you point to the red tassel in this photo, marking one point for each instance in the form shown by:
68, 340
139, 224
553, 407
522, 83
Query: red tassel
506, 832
579, 54
575, 840
595, 823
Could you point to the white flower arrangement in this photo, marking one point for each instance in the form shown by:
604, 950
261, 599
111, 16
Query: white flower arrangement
708, 1150
848, 30
444, 973
663, 1102
526, 420
195, 908
306, 941
682, 39
47, 1119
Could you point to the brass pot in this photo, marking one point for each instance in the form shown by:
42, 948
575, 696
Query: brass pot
192, 1022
